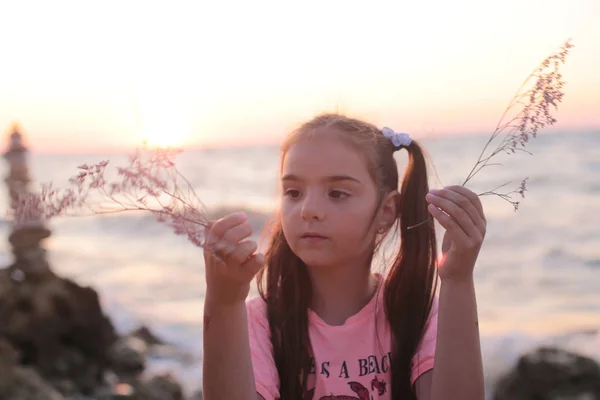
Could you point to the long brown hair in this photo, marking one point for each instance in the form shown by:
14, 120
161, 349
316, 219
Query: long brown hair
409, 287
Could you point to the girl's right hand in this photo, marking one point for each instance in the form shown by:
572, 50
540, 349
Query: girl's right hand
231, 262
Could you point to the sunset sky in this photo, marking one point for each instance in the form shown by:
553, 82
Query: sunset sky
79, 77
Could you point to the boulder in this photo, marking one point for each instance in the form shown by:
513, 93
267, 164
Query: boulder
550, 373
55, 326
160, 387
18, 382
147, 336
128, 357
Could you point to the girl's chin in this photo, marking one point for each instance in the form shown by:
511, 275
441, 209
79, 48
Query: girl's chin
316, 261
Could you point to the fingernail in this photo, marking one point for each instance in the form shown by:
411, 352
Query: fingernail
239, 215
434, 191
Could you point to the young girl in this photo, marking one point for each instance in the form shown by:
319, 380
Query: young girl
325, 326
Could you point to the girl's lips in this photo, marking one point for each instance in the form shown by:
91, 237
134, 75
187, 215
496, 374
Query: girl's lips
312, 236
313, 239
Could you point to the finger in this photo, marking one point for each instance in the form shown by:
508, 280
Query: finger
475, 200
466, 204
222, 250
207, 255
237, 233
449, 224
253, 264
219, 227
457, 214
228, 244
211, 260
242, 252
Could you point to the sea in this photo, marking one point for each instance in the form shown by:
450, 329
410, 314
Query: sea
537, 278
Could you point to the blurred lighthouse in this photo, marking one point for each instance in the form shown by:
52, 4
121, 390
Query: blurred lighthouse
18, 175
26, 236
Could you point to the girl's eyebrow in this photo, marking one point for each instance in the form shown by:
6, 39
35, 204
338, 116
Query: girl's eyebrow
332, 178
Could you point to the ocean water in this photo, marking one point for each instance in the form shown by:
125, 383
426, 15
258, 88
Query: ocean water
538, 275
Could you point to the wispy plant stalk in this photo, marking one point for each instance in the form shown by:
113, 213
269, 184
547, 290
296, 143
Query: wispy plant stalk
530, 110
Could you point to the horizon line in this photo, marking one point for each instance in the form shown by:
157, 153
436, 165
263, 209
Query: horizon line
233, 144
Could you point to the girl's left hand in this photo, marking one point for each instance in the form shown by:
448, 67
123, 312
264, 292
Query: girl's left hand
460, 212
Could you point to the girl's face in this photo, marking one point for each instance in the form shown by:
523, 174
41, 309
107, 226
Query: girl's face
328, 202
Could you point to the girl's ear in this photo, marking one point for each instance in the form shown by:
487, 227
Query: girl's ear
389, 211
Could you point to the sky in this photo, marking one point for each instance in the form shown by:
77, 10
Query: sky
80, 76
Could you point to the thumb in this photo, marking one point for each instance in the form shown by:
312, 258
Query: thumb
446, 242
207, 227
254, 264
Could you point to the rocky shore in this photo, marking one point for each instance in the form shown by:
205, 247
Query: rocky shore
56, 343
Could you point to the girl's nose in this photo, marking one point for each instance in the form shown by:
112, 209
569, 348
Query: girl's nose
312, 209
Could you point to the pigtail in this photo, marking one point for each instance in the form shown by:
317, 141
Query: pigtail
287, 294
411, 282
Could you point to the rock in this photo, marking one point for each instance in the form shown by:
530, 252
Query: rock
8, 355
65, 386
160, 387
27, 236
17, 382
145, 334
54, 325
25, 383
128, 356
134, 348
551, 374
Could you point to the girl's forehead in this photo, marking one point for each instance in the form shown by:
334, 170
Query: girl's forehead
326, 155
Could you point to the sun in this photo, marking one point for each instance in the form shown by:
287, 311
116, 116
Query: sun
161, 138
164, 125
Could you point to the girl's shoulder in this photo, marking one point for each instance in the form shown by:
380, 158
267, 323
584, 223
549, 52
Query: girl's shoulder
256, 303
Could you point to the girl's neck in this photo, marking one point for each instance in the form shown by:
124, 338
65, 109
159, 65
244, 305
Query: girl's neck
341, 292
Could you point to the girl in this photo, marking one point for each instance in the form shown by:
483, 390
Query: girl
325, 327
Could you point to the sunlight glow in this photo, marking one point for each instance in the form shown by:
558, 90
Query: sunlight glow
164, 125
427, 68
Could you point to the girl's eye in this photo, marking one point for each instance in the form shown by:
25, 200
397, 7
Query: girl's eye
292, 193
338, 194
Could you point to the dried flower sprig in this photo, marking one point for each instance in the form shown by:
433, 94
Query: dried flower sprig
538, 96
39, 207
149, 182
538, 102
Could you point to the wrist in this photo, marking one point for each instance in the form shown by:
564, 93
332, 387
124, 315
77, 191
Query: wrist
464, 278
225, 301
223, 316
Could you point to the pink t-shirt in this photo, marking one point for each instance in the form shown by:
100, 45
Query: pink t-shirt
352, 361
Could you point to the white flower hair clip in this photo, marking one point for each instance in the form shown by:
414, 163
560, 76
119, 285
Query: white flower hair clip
398, 139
